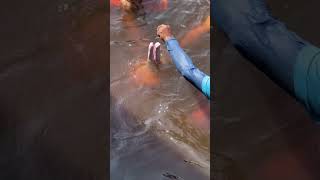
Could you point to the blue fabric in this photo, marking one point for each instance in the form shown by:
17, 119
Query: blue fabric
205, 86
185, 66
287, 59
307, 79
261, 38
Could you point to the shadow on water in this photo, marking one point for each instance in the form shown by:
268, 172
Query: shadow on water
258, 129
53, 91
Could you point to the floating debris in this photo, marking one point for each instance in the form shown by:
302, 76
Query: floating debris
131, 41
171, 176
193, 163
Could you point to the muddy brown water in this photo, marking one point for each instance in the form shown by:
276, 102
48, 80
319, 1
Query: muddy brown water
159, 121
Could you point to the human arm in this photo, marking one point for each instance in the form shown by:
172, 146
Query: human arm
183, 62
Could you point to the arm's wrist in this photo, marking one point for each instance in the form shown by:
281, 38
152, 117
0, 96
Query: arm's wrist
168, 38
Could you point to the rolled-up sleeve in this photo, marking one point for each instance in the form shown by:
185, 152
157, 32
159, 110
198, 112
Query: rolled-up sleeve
307, 79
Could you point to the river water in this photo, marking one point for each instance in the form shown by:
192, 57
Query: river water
160, 127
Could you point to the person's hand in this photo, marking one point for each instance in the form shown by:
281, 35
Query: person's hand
164, 32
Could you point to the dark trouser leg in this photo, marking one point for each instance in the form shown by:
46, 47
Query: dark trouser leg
265, 41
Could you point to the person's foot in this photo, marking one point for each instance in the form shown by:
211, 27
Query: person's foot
154, 52
150, 52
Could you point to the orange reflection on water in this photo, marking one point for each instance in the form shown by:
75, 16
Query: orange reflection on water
115, 3
201, 116
163, 5
196, 32
143, 74
291, 165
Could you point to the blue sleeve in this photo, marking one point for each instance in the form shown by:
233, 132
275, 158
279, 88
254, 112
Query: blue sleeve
205, 86
307, 80
185, 66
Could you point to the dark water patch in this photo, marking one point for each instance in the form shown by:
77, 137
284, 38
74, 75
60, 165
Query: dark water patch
53, 93
263, 132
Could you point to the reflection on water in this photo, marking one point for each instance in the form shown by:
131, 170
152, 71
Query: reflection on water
160, 122
196, 32
143, 75
115, 3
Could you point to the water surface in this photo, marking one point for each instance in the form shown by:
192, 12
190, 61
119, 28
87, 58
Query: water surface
159, 121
